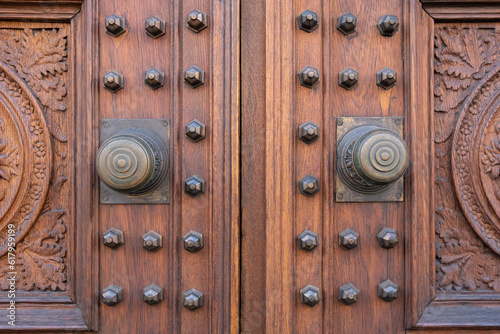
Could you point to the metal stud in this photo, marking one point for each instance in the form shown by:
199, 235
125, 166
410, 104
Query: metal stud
388, 237
308, 240
387, 78
348, 78
347, 23
308, 21
308, 132
194, 186
152, 294
155, 27
193, 241
113, 81
197, 21
348, 238
192, 299
194, 76
152, 241
348, 294
388, 290
309, 295
309, 76
195, 130
388, 25
113, 238
154, 78
115, 25
112, 295
309, 185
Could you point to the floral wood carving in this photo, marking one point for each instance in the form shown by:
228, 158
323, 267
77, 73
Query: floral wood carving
462, 57
38, 58
467, 84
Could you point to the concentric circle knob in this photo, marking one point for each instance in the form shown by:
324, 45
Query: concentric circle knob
380, 156
132, 161
370, 158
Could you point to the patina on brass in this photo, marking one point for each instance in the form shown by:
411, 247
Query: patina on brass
371, 158
132, 161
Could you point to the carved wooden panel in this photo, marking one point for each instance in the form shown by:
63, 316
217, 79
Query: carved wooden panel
467, 157
36, 155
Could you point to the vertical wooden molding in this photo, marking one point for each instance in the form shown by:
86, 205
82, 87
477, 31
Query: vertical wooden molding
280, 297
233, 155
419, 252
86, 74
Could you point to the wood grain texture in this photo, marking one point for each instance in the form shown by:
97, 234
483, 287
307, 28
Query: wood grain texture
419, 250
279, 187
253, 164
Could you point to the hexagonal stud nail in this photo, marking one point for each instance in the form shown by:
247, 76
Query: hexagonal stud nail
152, 294
388, 290
308, 240
196, 21
308, 21
195, 130
309, 76
193, 241
348, 294
194, 76
113, 238
387, 237
347, 23
308, 132
194, 186
152, 241
388, 25
309, 295
309, 185
192, 299
155, 27
112, 295
348, 238
348, 78
113, 81
387, 78
115, 25
154, 78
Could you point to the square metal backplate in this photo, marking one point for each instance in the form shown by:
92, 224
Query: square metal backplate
161, 128
393, 193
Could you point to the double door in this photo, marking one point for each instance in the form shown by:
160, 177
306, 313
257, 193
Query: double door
249, 166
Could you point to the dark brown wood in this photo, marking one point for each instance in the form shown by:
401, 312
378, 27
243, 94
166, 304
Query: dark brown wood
37, 10
462, 10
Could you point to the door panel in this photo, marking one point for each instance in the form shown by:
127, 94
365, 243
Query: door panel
63, 260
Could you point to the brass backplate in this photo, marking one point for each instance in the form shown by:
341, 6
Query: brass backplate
395, 191
161, 128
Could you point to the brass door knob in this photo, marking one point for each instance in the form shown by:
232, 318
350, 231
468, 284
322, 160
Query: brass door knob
133, 161
371, 158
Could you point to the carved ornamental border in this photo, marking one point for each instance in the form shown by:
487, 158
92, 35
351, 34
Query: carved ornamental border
63, 311
431, 302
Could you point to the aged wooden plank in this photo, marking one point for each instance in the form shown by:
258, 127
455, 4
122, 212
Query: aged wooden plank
419, 250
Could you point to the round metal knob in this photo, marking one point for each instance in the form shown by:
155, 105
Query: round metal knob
371, 158
380, 156
132, 161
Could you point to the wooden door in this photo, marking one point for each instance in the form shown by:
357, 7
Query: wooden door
246, 219
446, 261
71, 71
